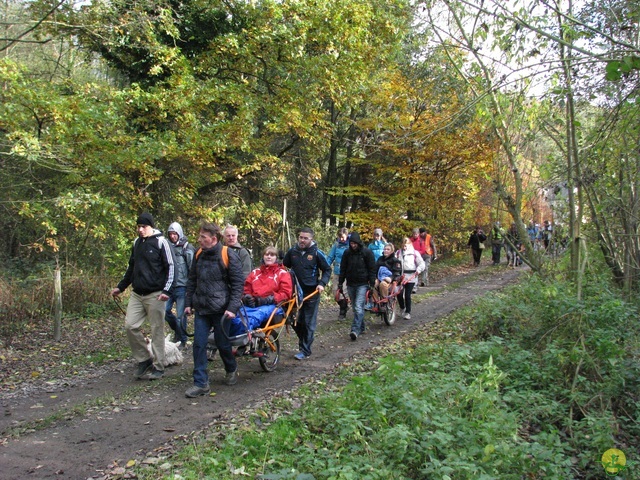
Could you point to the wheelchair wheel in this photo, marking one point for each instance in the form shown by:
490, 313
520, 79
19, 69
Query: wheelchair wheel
390, 311
270, 353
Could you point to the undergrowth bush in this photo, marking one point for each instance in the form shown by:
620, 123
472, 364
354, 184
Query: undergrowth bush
30, 301
583, 354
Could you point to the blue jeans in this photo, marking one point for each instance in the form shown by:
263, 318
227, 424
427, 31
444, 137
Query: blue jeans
357, 294
305, 326
201, 328
179, 327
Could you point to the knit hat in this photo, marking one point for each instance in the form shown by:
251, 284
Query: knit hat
145, 219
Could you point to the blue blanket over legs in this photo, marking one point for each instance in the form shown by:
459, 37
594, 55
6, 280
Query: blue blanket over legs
252, 318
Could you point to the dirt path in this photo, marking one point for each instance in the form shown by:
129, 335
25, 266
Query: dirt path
109, 418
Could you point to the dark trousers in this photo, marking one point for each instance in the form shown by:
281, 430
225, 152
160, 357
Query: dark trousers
404, 299
305, 326
202, 326
477, 254
495, 253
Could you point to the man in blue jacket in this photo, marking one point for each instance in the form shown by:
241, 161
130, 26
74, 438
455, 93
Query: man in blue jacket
358, 268
151, 272
311, 268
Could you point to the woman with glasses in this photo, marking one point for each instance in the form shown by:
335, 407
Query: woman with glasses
269, 284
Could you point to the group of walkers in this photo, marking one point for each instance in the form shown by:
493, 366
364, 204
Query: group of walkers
217, 279
539, 236
375, 267
213, 282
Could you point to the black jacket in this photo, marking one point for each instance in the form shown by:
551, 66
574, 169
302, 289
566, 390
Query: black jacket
307, 265
212, 288
393, 263
151, 266
475, 238
358, 267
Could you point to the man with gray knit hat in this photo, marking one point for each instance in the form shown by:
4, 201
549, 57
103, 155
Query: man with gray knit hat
183, 253
151, 274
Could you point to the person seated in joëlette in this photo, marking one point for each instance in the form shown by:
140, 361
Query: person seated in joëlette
392, 265
269, 284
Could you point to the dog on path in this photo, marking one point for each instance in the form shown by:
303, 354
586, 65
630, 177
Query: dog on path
172, 354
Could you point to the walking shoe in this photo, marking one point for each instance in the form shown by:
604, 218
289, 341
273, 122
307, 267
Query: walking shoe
342, 316
231, 378
143, 368
156, 374
197, 391
407, 316
300, 356
353, 336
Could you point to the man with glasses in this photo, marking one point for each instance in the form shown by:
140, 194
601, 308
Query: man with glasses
311, 268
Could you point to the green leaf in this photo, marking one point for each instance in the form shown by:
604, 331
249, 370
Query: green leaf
613, 71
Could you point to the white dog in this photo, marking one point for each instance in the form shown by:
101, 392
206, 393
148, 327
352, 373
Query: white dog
172, 354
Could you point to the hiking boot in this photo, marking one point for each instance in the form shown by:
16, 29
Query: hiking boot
143, 368
353, 336
197, 391
156, 374
231, 378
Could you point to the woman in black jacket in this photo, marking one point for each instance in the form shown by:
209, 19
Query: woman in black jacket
476, 242
393, 264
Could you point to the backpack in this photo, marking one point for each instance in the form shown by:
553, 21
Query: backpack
224, 255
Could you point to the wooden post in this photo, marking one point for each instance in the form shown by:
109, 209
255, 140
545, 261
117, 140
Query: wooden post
57, 319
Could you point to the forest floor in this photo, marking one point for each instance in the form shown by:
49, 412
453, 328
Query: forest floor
92, 422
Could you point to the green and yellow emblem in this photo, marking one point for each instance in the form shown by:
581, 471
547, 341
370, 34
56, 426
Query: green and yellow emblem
614, 461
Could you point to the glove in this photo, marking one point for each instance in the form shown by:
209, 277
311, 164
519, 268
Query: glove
260, 301
248, 301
